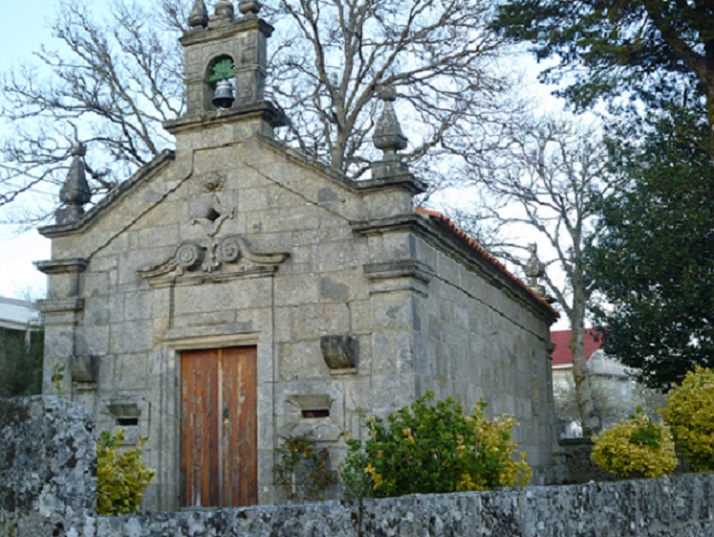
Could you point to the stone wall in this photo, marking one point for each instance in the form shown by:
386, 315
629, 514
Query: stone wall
475, 341
47, 465
682, 506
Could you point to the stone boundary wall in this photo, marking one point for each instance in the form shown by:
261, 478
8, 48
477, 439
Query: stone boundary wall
683, 506
47, 465
47, 488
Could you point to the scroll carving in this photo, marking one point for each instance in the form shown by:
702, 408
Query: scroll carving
212, 259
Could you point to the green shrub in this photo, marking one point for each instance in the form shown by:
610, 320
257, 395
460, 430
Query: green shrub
303, 470
636, 447
433, 448
690, 413
121, 477
21, 355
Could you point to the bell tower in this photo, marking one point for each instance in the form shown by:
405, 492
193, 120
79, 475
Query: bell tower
225, 61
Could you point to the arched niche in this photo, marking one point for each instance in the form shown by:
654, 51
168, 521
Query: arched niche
220, 67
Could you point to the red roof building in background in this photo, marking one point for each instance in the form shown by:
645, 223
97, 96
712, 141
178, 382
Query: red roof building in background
613, 380
561, 339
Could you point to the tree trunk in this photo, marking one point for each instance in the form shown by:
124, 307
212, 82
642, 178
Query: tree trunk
589, 419
338, 150
710, 116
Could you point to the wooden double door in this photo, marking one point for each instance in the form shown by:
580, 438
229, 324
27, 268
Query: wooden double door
219, 427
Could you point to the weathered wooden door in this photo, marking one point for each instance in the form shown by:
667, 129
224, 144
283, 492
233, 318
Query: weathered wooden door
219, 440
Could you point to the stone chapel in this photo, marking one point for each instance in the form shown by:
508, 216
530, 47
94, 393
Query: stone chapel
233, 292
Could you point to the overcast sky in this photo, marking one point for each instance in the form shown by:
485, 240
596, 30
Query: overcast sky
24, 28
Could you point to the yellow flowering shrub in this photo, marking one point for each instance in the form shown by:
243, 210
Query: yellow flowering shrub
690, 414
636, 447
121, 477
429, 447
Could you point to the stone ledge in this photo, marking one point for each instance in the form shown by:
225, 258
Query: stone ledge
61, 305
264, 110
403, 268
62, 266
405, 181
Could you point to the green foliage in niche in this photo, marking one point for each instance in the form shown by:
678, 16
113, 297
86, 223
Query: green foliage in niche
221, 70
431, 447
121, 477
304, 471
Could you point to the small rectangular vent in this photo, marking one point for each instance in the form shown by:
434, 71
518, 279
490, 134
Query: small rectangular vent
316, 413
128, 422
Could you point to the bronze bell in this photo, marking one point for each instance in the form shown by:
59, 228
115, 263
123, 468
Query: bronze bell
224, 95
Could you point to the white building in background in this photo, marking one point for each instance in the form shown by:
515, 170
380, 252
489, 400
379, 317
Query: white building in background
613, 382
20, 347
17, 315
601, 366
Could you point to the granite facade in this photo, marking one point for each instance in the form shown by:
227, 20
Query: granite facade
350, 297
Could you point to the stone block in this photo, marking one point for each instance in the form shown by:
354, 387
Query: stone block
131, 372
334, 257
138, 306
284, 318
265, 411
392, 311
332, 289
131, 337
314, 320
360, 316
390, 392
301, 360
297, 290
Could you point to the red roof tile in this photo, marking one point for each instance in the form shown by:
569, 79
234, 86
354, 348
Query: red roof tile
561, 339
482, 252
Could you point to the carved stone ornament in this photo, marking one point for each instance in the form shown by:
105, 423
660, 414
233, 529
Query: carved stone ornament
339, 352
216, 213
198, 18
249, 8
75, 192
189, 255
214, 259
535, 270
84, 369
223, 14
213, 182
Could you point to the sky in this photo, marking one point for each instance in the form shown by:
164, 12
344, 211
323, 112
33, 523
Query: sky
24, 29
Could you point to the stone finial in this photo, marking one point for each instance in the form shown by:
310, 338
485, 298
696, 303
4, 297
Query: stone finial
75, 192
389, 138
198, 19
249, 8
388, 133
534, 269
224, 14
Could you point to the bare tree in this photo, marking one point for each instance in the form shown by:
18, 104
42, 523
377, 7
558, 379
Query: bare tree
113, 81
110, 82
333, 56
540, 189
